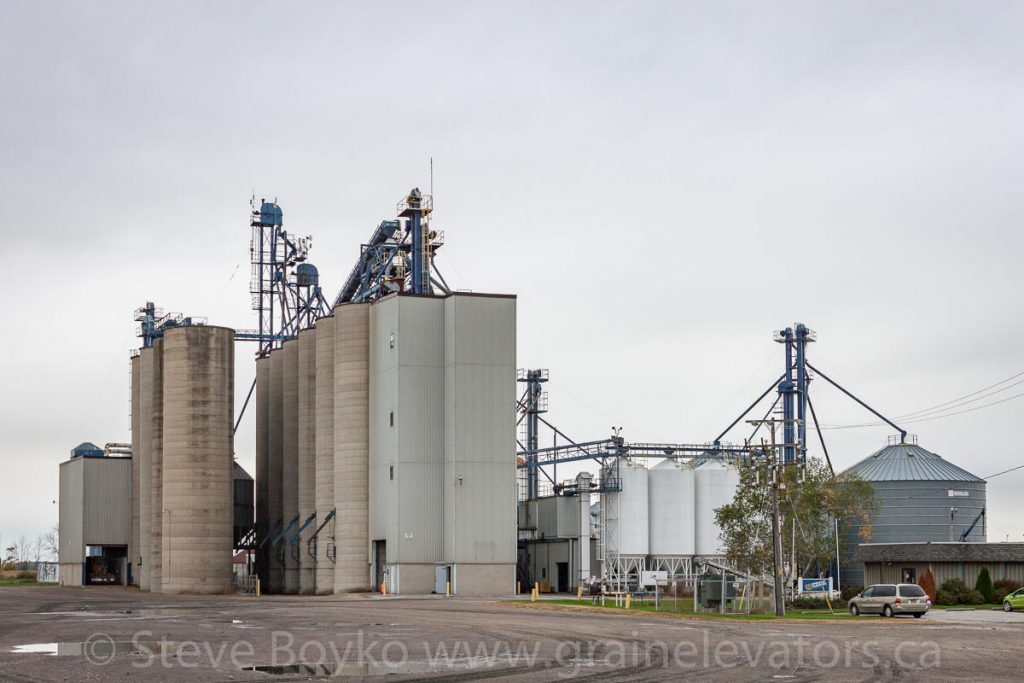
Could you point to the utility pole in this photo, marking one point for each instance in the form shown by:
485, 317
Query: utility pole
780, 598
775, 469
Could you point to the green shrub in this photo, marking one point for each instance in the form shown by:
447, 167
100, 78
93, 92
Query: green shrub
973, 597
806, 602
957, 592
25, 575
984, 585
850, 591
944, 598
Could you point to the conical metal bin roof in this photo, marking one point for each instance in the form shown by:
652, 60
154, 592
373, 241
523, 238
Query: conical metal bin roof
908, 462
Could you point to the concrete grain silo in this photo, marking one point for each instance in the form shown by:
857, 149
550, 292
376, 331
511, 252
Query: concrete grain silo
715, 484
144, 489
275, 462
351, 451
262, 420
290, 462
670, 496
198, 459
324, 485
156, 450
133, 539
922, 497
306, 455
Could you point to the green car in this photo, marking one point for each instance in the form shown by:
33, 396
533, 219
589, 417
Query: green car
1014, 601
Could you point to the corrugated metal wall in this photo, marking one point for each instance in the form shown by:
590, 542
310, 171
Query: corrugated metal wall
95, 505
107, 504
71, 547
920, 511
917, 511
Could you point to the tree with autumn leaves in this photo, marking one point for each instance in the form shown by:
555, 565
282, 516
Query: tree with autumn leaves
809, 508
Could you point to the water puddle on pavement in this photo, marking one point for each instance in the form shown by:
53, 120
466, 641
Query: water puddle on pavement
363, 669
36, 648
319, 670
96, 649
357, 669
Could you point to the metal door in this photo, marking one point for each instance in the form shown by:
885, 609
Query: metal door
380, 560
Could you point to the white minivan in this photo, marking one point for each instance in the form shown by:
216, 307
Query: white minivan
890, 599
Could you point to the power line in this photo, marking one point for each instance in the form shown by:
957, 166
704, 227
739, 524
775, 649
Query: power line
1012, 469
958, 403
961, 412
941, 410
974, 393
929, 418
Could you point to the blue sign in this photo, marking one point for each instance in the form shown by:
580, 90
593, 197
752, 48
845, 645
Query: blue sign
816, 585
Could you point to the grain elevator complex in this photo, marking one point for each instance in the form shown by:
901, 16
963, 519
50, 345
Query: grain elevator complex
399, 450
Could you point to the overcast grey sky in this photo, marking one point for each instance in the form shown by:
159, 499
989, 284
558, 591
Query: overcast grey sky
662, 184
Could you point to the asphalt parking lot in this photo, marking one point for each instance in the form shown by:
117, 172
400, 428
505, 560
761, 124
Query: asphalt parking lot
69, 634
975, 616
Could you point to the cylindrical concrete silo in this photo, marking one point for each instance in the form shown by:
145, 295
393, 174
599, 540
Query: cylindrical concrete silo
262, 466
156, 457
325, 454
198, 459
715, 484
290, 461
275, 461
921, 498
670, 495
352, 446
133, 541
145, 464
307, 456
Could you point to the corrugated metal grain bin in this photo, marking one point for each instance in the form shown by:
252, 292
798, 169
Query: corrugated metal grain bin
921, 497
